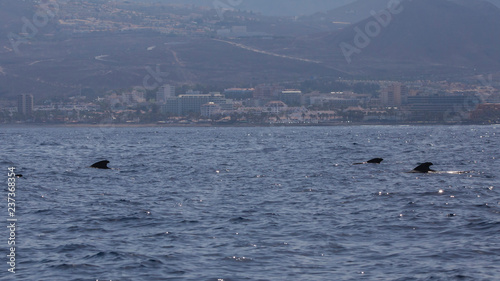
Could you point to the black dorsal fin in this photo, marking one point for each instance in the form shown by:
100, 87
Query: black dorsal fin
424, 168
101, 165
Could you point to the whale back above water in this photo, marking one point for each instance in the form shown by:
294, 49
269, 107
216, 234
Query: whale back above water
101, 165
423, 168
375, 161
371, 161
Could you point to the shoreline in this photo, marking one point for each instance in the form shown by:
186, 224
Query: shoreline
208, 125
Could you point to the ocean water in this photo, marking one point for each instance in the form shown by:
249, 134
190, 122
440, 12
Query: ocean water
272, 203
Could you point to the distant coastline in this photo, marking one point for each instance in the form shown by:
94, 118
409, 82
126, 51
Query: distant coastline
237, 125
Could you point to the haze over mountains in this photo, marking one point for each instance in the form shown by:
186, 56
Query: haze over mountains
108, 45
359, 8
427, 33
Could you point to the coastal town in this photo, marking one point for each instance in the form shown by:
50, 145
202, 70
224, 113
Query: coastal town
188, 97
86, 17
348, 102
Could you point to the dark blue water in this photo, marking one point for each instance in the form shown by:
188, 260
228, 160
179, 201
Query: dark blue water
254, 203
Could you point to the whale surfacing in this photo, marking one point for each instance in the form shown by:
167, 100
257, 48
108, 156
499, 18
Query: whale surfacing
371, 161
423, 168
375, 161
101, 165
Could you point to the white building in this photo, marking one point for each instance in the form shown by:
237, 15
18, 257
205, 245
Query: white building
276, 107
210, 109
166, 91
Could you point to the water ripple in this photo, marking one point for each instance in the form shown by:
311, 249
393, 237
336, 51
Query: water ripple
256, 203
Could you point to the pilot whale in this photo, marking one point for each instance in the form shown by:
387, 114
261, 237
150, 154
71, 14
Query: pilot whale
423, 168
101, 165
371, 161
